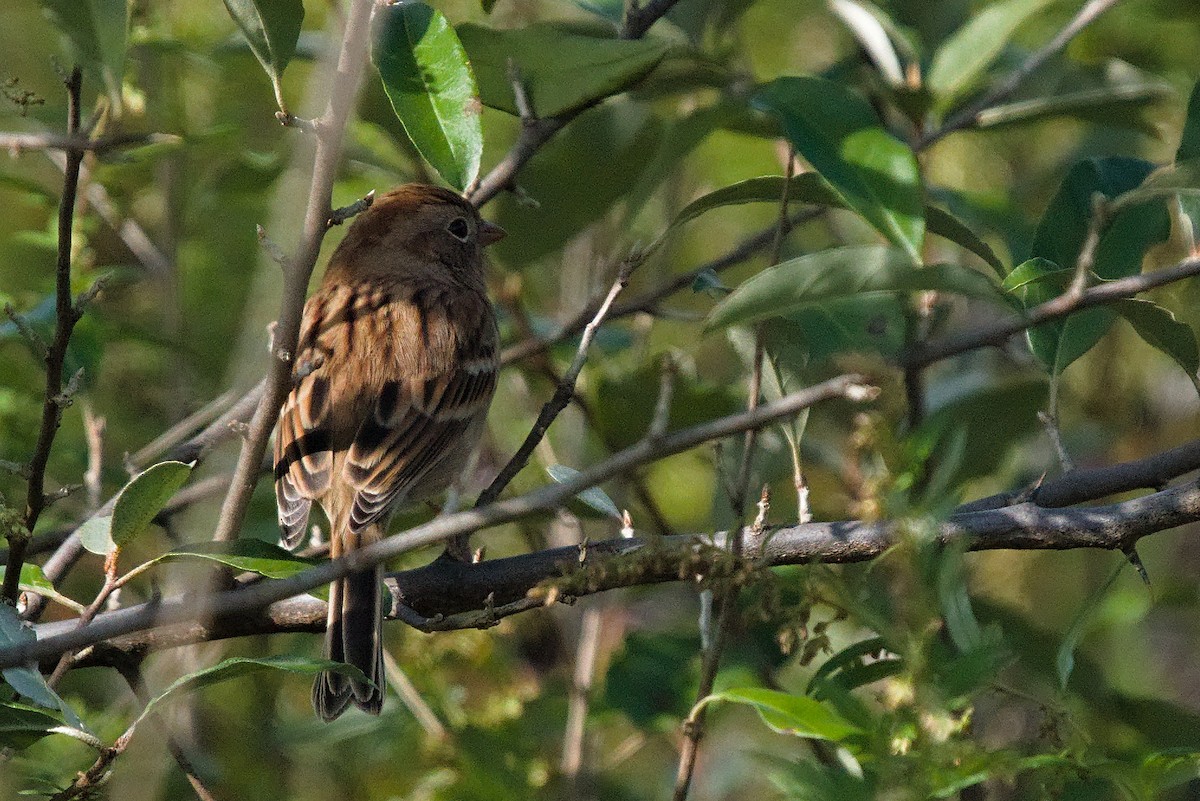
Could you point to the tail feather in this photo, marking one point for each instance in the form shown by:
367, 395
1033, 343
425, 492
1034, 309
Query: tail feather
354, 635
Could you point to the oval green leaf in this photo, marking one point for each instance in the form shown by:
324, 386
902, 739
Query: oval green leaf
561, 70
95, 535
144, 497
592, 498
272, 28
837, 131
798, 715
246, 554
1060, 237
962, 59
841, 273
21, 726
1159, 329
431, 87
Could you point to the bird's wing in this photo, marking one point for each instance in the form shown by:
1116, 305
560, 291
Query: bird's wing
418, 423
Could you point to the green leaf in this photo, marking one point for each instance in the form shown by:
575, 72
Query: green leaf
992, 421
1037, 271
97, 31
95, 535
430, 84
272, 27
255, 556
237, 667
804, 188
837, 131
593, 498
144, 497
839, 273
864, 21
1121, 105
1189, 139
849, 657
785, 713
1065, 660
27, 680
21, 726
34, 580
946, 225
1123, 243
811, 188
1181, 178
562, 70
959, 64
1159, 328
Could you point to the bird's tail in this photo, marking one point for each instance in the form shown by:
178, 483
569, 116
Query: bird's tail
354, 635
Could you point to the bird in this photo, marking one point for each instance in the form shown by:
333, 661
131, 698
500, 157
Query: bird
394, 373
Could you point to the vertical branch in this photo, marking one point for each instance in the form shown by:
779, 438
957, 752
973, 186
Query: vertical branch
693, 727
66, 314
581, 688
328, 130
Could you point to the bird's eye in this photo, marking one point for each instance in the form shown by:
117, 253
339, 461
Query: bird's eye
459, 229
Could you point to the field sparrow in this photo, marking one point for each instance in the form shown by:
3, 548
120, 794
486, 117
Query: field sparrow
395, 369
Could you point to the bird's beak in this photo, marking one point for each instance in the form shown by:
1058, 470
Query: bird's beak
490, 233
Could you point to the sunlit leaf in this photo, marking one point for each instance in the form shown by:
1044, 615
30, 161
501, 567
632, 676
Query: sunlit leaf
97, 30
255, 556
838, 273
837, 131
863, 21
785, 713
1037, 271
593, 498
429, 82
272, 28
144, 497
960, 62
562, 70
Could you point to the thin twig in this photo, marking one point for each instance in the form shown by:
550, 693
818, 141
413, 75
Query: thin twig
563, 392
78, 142
412, 699
998, 333
1005, 88
581, 688
65, 315
536, 132
330, 130
693, 729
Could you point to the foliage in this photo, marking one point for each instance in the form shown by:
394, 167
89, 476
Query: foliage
930, 199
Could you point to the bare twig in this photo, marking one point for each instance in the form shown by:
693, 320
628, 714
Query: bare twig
998, 333
330, 129
93, 429
536, 132
581, 688
66, 315
412, 699
693, 728
650, 299
563, 392
969, 116
78, 142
